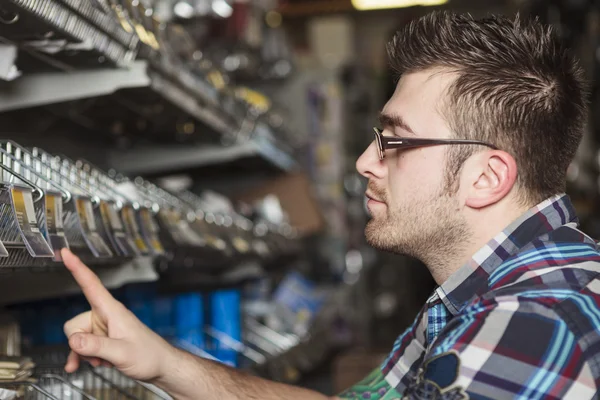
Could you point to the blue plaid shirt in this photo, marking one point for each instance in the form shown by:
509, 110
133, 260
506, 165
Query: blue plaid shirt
520, 320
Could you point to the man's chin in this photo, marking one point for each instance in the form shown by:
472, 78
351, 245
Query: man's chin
376, 236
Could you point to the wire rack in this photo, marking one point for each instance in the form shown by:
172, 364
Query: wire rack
52, 383
87, 235
13, 221
108, 220
137, 212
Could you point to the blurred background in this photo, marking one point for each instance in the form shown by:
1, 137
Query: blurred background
199, 156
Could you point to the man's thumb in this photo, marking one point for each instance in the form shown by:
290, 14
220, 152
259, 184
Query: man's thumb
87, 345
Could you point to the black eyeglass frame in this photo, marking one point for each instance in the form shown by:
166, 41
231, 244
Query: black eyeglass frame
386, 143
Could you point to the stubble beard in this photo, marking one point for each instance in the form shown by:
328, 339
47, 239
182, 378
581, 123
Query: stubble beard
431, 231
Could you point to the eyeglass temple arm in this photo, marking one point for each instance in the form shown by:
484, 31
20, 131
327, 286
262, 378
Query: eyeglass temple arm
403, 142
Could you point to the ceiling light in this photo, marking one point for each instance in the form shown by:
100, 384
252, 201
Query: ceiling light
222, 8
381, 4
183, 10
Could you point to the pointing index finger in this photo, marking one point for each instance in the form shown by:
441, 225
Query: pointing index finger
95, 293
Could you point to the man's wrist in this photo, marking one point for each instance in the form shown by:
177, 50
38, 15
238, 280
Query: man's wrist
181, 374
168, 362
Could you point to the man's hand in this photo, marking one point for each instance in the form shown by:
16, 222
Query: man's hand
110, 334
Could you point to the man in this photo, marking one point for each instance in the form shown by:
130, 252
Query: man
467, 175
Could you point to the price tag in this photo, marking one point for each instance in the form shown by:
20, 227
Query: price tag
133, 229
170, 219
54, 224
54, 214
188, 233
96, 244
216, 242
89, 215
110, 217
22, 203
241, 245
115, 229
150, 230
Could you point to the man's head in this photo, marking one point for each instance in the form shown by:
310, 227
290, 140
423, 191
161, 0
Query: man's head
502, 81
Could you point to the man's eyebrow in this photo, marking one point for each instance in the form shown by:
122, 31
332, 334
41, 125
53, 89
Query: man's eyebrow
394, 120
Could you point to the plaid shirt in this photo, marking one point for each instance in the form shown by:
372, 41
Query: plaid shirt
520, 320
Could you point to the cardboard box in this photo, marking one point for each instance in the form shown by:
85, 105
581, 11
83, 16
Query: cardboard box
294, 191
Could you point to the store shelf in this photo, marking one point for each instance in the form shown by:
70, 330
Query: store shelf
182, 279
54, 87
29, 285
189, 103
155, 159
98, 35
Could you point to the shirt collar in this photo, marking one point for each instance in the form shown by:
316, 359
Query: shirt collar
471, 280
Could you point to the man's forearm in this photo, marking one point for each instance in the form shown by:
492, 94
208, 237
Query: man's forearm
187, 377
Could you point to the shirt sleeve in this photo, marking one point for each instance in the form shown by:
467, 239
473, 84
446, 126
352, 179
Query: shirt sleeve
505, 349
373, 387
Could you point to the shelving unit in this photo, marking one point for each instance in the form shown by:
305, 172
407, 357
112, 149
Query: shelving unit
56, 87
50, 284
155, 159
92, 35
39, 89
51, 77
113, 74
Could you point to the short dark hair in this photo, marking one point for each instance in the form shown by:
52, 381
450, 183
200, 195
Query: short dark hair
517, 87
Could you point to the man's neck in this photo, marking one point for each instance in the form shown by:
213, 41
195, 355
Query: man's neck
444, 266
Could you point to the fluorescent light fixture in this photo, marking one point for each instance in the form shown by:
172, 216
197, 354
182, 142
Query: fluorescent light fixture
183, 10
381, 4
222, 8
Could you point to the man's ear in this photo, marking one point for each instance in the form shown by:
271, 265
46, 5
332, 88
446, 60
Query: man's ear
491, 177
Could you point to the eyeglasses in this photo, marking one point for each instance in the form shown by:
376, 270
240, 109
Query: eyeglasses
385, 143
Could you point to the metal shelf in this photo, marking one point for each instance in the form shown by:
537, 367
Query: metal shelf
155, 159
188, 103
54, 87
29, 286
185, 279
48, 88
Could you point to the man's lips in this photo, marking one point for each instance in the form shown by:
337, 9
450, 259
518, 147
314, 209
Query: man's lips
371, 197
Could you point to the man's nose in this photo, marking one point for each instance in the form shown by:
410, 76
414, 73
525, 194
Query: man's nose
369, 165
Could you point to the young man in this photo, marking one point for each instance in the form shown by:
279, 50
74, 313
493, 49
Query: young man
467, 174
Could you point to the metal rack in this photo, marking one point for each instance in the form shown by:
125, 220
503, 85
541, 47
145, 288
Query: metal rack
48, 202
78, 221
73, 31
52, 383
113, 56
23, 218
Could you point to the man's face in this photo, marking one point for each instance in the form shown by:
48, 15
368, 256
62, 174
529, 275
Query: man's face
411, 213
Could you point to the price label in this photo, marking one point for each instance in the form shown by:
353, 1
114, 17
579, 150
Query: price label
54, 214
22, 203
89, 215
133, 229
241, 245
54, 224
151, 231
191, 237
170, 219
115, 230
110, 217
24, 209
96, 244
